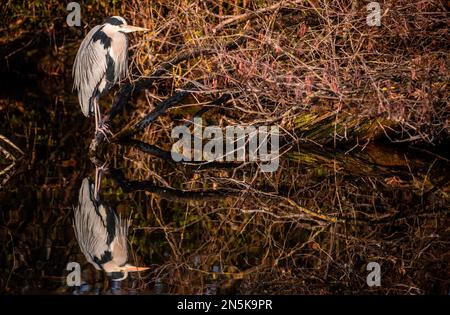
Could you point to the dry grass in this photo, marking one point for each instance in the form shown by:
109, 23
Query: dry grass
306, 56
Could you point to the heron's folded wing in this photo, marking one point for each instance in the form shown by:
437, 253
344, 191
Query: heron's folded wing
90, 229
89, 68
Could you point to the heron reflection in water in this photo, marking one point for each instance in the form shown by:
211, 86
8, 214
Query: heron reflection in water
101, 233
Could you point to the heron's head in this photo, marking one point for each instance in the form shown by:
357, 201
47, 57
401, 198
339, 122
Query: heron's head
124, 270
120, 25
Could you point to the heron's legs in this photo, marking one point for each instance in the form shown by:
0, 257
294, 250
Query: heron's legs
99, 125
98, 179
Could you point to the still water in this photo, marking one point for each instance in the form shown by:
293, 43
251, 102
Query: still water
311, 227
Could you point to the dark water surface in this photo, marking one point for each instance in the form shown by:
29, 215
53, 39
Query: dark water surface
394, 200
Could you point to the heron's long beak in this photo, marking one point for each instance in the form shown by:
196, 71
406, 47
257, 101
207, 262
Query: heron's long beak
131, 268
131, 28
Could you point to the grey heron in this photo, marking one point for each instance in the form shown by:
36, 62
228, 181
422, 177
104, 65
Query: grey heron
101, 233
101, 61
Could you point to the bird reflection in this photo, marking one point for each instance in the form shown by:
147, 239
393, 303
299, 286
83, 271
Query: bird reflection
101, 233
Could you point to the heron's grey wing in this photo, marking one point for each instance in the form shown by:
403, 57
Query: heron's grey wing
119, 246
89, 69
90, 230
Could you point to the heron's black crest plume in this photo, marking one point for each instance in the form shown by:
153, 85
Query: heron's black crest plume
114, 21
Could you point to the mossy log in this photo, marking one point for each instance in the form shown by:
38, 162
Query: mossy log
327, 127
